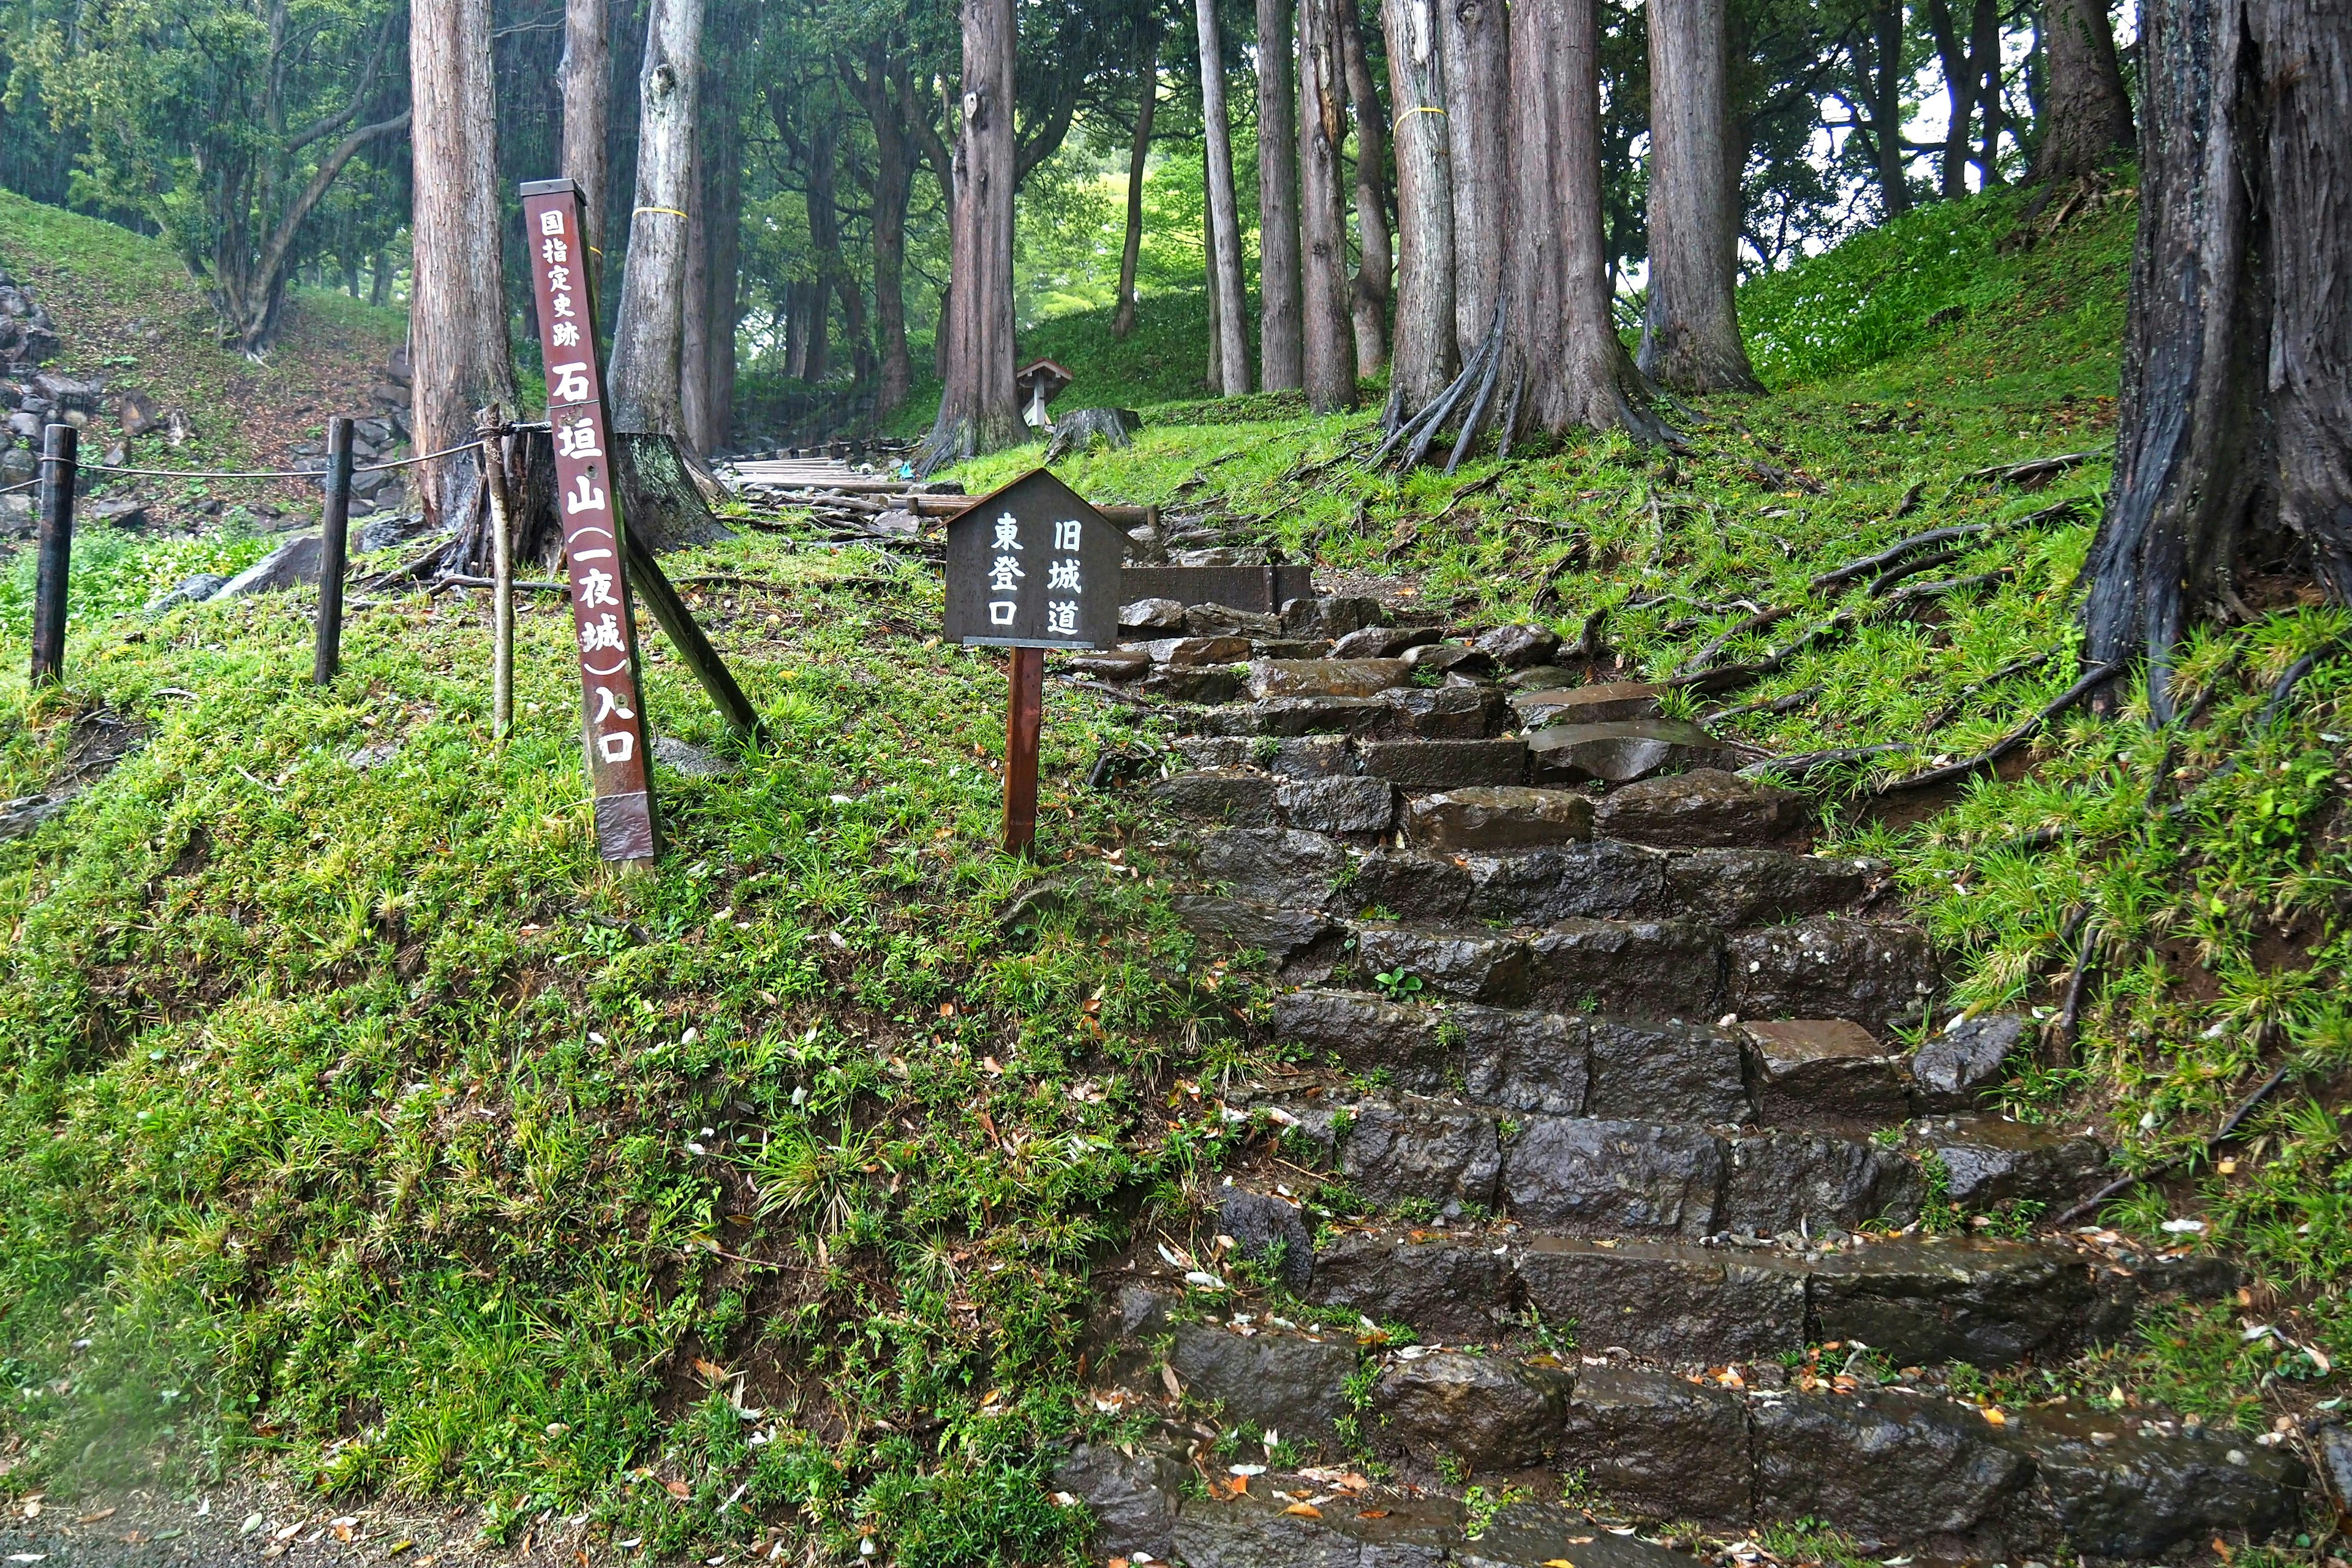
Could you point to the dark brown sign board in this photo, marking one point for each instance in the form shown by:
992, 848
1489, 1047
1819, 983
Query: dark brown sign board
1031, 566
588, 501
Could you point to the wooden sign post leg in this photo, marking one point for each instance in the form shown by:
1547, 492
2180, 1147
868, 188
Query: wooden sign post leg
1023, 714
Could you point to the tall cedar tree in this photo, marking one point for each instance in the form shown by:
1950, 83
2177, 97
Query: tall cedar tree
456, 318
649, 336
587, 77
1424, 360
1138, 153
2086, 116
1330, 350
1369, 293
2236, 431
1477, 53
1690, 330
979, 408
1230, 355
1281, 344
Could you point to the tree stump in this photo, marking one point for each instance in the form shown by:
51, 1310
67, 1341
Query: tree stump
661, 503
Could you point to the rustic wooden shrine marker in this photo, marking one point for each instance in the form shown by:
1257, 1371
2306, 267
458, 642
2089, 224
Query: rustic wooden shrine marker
588, 502
1030, 567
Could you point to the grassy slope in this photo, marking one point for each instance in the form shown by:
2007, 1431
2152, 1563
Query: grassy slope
359, 1120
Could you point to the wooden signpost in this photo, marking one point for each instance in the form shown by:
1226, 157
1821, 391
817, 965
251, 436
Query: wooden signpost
588, 500
1030, 567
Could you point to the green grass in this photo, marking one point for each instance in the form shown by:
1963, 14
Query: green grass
353, 1120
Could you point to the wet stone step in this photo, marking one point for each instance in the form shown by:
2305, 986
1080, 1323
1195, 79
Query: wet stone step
1341, 805
1439, 713
1538, 701
1611, 879
1880, 974
1622, 752
1704, 808
1496, 816
1445, 765
1327, 677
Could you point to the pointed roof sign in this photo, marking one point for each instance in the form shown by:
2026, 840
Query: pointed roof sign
1033, 565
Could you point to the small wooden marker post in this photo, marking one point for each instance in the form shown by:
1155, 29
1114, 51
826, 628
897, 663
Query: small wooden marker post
334, 550
55, 548
495, 444
1030, 567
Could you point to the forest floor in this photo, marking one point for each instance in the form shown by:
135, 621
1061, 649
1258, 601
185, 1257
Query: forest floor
361, 1136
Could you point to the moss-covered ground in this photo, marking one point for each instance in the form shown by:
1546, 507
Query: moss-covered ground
355, 1122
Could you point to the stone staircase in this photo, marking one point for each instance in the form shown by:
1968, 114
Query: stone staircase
1596, 1178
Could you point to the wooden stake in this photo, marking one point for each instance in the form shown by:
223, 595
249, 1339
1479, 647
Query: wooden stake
1024, 711
502, 622
55, 548
334, 549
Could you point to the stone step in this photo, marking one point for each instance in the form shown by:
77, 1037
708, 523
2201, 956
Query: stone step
1894, 1469
1623, 752
1605, 879
1425, 713
1772, 1073
1579, 1174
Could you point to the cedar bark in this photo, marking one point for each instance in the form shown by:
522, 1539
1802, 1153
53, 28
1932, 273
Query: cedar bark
649, 333
1138, 153
725, 297
1880, 63
587, 77
1424, 314
1984, 73
1690, 329
1214, 377
978, 405
885, 95
1478, 83
2087, 118
1369, 294
1330, 364
1231, 351
694, 316
2237, 383
1959, 99
458, 328
1281, 339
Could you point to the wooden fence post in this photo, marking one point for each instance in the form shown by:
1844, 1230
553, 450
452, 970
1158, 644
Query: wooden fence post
334, 550
494, 442
58, 445
1025, 715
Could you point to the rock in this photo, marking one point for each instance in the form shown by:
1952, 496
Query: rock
1880, 975
1330, 615
1806, 1069
1642, 969
1448, 658
1585, 1176
1218, 555
1267, 1231
1343, 804
1293, 1382
1239, 797
1469, 966
1762, 887
383, 533
1134, 1499
1515, 646
1487, 1413
1324, 677
1224, 621
1308, 715
375, 432
1312, 757
2331, 1446
1215, 750
1657, 1447
1383, 642
1281, 932
1705, 808
1505, 817
115, 511
1251, 1531
374, 755
1957, 1066
1605, 879
1194, 651
16, 513
1987, 1303
136, 413
1444, 714
388, 395
1668, 1300
1438, 1288
191, 591
1410, 887
1665, 1072
1544, 677
1446, 764
1422, 1149
1274, 865
1619, 754
1519, 1060
1357, 1030
1111, 664
291, 564
1889, 1470
1988, 1161
1211, 684
1608, 702
2135, 1498
1775, 1181
25, 427
694, 761
18, 817
68, 392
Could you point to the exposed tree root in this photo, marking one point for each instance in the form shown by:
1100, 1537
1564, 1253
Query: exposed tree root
2228, 1130
2091, 682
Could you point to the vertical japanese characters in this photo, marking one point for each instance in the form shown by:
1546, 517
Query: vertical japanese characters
614, 734
1064, 581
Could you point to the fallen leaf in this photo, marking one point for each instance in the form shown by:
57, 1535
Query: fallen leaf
1373, 1513
1995, 1415
94, 1518
399, 1546
1558, 1562
1168, 1381
1305, 1510
710, 1368
678, 1488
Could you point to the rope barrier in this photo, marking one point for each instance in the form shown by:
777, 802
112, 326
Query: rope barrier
471, 446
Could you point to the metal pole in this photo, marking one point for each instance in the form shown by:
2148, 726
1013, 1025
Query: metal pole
334, 549
1023, 715
58, 445
503, 624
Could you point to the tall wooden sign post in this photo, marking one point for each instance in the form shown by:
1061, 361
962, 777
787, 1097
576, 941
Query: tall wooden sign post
588, 501
1031, 567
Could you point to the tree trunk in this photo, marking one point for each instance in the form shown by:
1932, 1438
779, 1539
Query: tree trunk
587, 77
1959, 100
1883, 83
380, 280
2087, 117
643, 383
1477, 52
1213, 379
1225, 257
1138, 153
978, 405
1690, 330
1331, 359
825, 239
1424, 314
1368, 296
725, 296
1984, 70
457, 323
1281, 343
2237, 378
886, 111
694, 315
